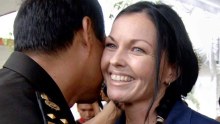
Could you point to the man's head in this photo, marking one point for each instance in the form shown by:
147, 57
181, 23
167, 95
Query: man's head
50, 25
86, 111
65, 38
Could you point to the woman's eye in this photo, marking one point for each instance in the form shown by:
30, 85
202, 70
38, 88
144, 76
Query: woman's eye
139, 50
110, 46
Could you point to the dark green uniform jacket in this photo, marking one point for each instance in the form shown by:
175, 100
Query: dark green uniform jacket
28, 95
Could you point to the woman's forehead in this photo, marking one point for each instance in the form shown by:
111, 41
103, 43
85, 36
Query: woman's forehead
134, 26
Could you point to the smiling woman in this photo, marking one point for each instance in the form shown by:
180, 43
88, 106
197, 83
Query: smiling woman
129, 57
149, 65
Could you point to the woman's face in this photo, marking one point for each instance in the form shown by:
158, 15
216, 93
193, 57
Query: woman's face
128, 61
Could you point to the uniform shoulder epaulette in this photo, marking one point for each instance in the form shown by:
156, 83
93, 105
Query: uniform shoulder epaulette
50, 111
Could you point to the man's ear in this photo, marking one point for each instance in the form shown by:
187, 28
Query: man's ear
87, 31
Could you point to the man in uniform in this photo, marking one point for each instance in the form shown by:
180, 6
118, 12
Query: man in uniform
56, 62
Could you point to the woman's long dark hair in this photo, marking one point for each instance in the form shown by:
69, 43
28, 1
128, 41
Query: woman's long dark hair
172, 38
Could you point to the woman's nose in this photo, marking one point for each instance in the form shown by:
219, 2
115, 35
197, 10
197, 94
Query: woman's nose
118, 58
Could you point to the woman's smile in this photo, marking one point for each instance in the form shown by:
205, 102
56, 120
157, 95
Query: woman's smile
121, 78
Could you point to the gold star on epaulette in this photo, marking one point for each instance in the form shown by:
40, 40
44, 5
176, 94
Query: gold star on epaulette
50, 122
52, 116
64, 121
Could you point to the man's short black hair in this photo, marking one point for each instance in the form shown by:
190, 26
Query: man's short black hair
50, 25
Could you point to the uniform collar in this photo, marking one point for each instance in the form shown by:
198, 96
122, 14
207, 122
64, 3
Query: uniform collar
38, 78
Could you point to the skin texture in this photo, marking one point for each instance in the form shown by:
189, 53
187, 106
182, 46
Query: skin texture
128, 66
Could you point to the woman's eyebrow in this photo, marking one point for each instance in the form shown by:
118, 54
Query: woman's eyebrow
113, 39
132, 41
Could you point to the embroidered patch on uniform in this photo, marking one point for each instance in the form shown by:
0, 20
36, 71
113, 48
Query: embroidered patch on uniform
52, 105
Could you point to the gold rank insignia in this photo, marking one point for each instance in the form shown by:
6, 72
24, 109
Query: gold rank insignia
50, 122
44, 96
52, 105
52, 116
64, 121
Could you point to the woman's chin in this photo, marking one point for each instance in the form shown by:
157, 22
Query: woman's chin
115, 97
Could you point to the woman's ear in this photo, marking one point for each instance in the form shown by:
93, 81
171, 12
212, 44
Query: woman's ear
171, 74
168, 72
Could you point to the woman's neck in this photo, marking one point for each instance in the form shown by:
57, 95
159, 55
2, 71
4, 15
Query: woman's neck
137, 112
